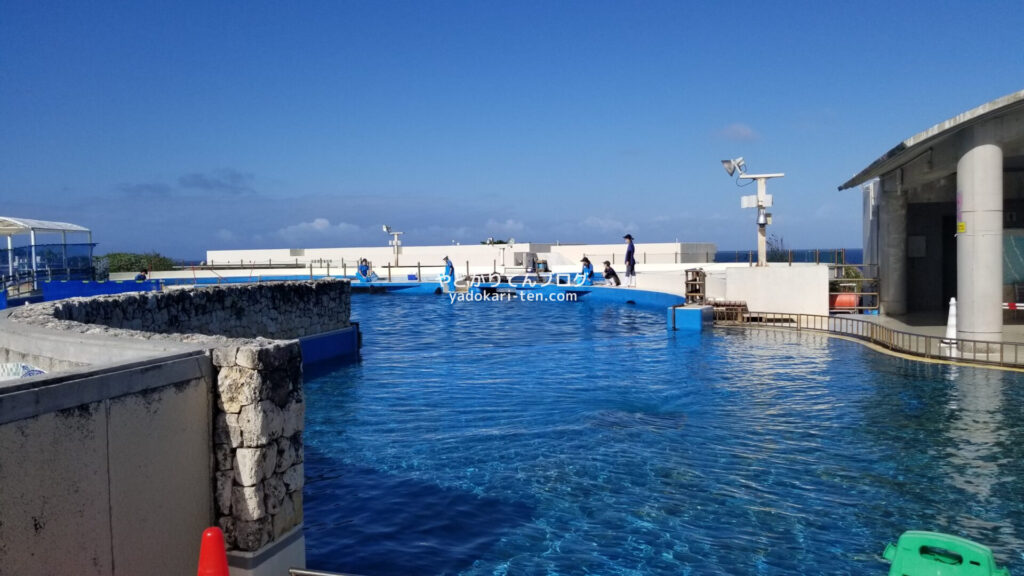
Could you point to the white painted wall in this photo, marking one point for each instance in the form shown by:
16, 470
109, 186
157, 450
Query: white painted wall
797, 289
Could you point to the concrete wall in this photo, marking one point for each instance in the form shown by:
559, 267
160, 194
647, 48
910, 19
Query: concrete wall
478, 254
481, 257
779, 288
148, 436
110, 473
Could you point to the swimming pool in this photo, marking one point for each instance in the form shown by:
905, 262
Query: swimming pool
554, 438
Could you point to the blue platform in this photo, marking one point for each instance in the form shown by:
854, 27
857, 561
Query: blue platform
691, 318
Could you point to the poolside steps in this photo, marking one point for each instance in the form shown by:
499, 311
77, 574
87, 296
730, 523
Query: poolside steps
729, 311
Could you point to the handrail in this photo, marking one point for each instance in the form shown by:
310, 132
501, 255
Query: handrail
304, 572
982, 352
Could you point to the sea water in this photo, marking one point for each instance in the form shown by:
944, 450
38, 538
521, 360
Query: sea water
573, 438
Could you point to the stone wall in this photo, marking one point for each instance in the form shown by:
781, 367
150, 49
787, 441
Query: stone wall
249, 333
258, 442
281, 310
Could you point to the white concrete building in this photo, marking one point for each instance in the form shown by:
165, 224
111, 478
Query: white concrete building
944, 217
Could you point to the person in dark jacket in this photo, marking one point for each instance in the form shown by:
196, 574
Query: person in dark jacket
630, 262
610, 277
448, 277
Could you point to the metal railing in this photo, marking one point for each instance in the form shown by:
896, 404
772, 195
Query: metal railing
304, 572
645, 257
1005, 354
861, 281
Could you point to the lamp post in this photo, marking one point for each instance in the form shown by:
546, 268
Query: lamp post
762, 200
396, 241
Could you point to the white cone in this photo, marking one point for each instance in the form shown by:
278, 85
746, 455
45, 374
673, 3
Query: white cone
948, 344
951, 320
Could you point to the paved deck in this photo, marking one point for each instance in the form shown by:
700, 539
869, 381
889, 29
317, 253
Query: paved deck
934, 324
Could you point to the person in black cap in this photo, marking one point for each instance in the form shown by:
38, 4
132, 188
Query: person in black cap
630, 262
610, 277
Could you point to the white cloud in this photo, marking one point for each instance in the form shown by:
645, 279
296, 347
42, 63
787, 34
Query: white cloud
509, 225
225, 235
605, 224
740, 132
318, 228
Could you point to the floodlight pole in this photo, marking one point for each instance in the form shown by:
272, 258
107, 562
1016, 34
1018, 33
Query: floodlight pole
396, 241
763, 200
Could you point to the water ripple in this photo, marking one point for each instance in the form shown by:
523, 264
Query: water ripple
526, 438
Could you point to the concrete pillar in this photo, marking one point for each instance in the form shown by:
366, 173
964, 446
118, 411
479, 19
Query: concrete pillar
892, 249
979, 242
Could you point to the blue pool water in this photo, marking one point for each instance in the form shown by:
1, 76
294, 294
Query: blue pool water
553, 438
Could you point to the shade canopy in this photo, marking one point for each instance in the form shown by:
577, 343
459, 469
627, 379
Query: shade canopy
14, 226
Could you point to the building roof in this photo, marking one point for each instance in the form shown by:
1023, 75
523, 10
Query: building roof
13, 226
919, 143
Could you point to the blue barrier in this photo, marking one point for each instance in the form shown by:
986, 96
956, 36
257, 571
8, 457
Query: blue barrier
330, 345
3, 299
59, 290
690, 318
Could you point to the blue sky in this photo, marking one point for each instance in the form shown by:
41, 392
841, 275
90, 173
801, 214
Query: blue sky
186, 126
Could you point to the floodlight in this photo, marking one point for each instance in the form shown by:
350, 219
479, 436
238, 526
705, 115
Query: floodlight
731, 166
761, 201
762, 216
386, 228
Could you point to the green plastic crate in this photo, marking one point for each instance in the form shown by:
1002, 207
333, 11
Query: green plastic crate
920, 553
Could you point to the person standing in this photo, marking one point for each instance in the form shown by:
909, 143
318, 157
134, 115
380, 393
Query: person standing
448, 278
630, 262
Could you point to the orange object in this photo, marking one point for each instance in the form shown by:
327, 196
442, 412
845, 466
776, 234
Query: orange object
213, 558
843, 301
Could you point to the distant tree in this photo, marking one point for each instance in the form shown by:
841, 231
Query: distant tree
131, 262
776, 248
493, 241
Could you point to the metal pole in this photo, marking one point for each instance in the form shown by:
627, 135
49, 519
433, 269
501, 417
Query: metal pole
32, 239
389, 271
419, 273
64, 253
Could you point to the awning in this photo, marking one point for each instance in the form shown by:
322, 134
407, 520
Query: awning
937, 135
14, 226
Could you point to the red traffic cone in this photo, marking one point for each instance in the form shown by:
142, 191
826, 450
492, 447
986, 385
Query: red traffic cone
213, 559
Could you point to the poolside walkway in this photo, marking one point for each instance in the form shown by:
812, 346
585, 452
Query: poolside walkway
934, 324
